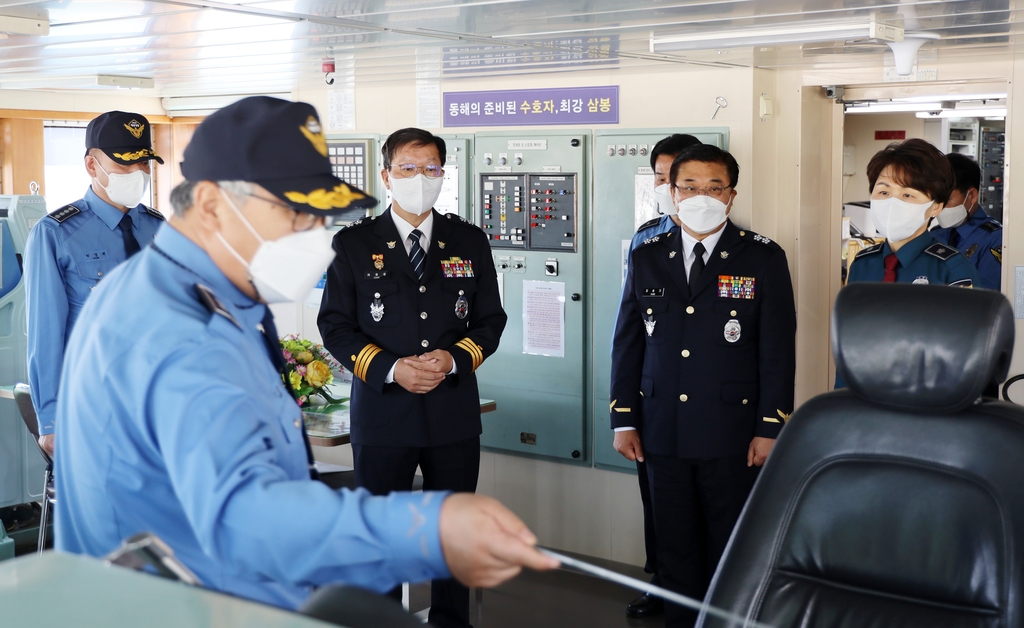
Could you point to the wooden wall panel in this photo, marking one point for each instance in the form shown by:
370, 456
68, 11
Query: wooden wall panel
169, 141
21, 155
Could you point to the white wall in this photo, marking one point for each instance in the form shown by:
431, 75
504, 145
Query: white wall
860, 133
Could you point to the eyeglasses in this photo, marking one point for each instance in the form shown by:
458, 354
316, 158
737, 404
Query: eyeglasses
407, 171
301, 221
689, 190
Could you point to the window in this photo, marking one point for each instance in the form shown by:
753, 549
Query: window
64, 171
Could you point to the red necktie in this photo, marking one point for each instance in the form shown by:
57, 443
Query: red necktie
891, 262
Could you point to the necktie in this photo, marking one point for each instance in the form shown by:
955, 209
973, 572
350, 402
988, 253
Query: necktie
273, 345
131, 245
891, 262
416, 254
954, 238
697, 267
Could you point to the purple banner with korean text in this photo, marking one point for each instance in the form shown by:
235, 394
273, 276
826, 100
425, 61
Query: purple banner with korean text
533, 107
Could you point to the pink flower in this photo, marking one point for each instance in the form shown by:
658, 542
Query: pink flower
301, 400
301, 370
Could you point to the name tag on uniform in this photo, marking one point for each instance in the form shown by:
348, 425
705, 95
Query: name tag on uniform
457, 267
653, 292
735, 287
379, 274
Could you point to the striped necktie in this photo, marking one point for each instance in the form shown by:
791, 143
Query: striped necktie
416, 255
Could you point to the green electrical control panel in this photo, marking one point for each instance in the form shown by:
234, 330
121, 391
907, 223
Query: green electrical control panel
531, 197
623, 200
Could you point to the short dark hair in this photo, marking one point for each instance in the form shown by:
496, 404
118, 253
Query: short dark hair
407, 136
915, 164
672, 145
709, 154
966, 172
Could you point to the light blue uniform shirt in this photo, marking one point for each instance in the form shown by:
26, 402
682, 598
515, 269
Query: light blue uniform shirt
173, 420
66, 255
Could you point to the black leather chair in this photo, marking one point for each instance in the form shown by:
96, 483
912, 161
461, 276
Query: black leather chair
898, 502
23, 399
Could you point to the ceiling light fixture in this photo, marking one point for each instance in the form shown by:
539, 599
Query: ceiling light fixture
188, 106
125, 82
895, 107
984, 112
13, 25
802, 33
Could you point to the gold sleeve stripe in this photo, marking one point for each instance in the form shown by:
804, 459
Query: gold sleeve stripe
623, 409
769, 419
362, 362
474, 351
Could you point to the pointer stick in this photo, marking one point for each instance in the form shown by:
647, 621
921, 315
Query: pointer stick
646, 587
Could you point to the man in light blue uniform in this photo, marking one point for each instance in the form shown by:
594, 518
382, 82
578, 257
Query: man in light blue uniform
76, 246
968, 228
173, 415
662, 156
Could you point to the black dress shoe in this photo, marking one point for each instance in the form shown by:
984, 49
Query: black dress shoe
645, 606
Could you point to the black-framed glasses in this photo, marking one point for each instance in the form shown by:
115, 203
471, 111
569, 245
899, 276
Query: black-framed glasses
408, 171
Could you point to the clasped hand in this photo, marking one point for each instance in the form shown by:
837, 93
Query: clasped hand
421, 374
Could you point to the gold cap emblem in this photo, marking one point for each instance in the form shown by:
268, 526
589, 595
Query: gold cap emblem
136, 128
315, 134
340, 197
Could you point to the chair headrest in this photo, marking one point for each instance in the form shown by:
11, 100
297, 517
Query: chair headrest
921, 348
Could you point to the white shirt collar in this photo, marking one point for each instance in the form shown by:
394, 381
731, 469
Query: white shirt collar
404, 229
709, 243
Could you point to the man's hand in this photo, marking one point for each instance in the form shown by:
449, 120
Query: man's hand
627, 443
437, 361
758, 451
418, 375
46, 442
484, 543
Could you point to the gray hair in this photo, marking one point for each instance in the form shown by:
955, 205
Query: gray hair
182, 196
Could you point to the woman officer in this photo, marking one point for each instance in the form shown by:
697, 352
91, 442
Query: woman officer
910, 183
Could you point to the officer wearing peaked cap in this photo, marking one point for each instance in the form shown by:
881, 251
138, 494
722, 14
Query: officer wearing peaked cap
703, 366
76, 246
412, 307
176, 388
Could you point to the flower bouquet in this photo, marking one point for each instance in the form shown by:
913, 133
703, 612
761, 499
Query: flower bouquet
309, 369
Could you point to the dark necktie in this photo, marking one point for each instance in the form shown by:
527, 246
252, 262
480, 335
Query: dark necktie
416, 255
270, 340
697, 267
954, 237
131, 245
891, 262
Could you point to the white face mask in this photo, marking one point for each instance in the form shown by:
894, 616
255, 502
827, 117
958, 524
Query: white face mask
663, 196
952, 216
416, 195
897, 219
702, 214
286, 269
124, 189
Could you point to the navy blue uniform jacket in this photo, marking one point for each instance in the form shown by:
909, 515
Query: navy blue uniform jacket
417, 317
702, 374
